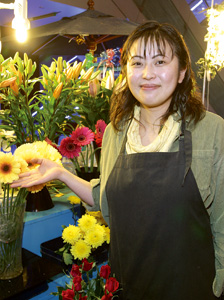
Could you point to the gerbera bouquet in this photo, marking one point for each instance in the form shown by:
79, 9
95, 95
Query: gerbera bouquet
40, 149
12, 165
86, 280
82, 146
12, 200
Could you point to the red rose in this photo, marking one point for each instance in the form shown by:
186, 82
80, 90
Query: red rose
77, 283
86, 266
105, 271
82, 298
111, 284
75, 271
68, 295
107, 296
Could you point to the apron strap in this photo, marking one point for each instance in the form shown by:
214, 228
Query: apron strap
186, 143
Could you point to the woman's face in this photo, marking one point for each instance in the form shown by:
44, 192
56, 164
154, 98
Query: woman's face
151, 76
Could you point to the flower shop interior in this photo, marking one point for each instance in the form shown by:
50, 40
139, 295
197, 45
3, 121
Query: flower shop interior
55, 88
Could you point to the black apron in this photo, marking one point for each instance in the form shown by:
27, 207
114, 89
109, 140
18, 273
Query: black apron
161, 242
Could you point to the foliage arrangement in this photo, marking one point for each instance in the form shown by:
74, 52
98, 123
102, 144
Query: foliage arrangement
94, 104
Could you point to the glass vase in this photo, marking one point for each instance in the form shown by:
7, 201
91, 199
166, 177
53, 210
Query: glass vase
11, 232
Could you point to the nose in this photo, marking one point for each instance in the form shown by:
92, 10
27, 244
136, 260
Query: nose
148, 71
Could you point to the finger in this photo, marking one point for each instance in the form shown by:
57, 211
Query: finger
37, 160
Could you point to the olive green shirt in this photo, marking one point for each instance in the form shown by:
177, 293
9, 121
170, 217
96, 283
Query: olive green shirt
208, 169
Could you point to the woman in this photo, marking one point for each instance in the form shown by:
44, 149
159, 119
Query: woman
161, 184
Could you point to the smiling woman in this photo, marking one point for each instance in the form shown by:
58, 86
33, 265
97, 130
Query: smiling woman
164, 182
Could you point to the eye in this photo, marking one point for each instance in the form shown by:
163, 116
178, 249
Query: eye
160, 62
136, 63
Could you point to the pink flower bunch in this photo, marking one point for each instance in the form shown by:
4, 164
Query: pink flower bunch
104, 287
81, 140
71, 146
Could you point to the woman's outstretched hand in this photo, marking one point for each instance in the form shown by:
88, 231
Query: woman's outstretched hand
47, 171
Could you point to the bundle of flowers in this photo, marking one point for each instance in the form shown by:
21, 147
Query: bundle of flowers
32, 113
79, 146
81, 239
40, 149
84, 285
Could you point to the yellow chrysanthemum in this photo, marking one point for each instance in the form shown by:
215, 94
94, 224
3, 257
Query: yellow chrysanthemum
86, 223
71, 234
95, 237
36, 188
98, 215
80, 250
106, 234
9, 168
74, 199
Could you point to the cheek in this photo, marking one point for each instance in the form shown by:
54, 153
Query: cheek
131, 76
169, 77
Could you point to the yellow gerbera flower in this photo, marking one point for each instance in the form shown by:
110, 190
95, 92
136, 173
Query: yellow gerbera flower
9, 168
47, 151
27, 154
36, 188
71, 234
23, 165
80, 250
86, 222
74, 199
95, 237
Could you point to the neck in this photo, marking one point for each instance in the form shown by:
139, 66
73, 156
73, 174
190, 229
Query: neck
150, 117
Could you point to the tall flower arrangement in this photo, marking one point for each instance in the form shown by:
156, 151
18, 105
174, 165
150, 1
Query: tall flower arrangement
12, 201
33, 113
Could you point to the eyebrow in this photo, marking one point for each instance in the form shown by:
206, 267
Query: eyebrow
139, 56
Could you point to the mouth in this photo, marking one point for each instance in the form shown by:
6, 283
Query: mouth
149, 86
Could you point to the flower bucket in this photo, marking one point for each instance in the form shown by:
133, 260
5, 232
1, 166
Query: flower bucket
39, 201
11, 232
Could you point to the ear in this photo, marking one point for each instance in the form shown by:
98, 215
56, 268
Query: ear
182, 75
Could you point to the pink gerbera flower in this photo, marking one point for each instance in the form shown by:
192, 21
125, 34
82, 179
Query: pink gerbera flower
82, 136
68, 148
100, 128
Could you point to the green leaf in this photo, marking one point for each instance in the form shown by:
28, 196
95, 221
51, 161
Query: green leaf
68, 259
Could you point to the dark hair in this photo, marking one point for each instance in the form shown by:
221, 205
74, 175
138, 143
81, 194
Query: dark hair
186, 97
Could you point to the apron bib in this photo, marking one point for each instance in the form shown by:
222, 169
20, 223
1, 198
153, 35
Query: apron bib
161, 243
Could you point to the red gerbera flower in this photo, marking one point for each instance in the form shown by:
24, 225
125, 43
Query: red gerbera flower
68, 148
82, 136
